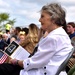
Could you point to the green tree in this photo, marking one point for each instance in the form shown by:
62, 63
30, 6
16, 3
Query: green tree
11, 22
3, 17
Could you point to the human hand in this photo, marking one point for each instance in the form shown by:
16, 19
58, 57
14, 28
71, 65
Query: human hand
13, 61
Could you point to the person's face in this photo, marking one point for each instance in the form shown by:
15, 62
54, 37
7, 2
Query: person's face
45, 20
16, 32
70, 29
5, 37
22, 37
12, 39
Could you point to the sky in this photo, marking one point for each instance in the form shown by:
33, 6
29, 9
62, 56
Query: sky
27, 11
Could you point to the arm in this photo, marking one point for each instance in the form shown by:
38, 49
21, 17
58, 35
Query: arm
46, 50
16, 62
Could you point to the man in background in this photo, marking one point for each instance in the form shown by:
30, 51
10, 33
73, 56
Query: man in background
71, 29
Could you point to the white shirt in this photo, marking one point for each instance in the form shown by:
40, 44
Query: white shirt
52, 51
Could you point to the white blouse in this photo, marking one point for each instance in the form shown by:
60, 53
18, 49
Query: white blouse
52, 51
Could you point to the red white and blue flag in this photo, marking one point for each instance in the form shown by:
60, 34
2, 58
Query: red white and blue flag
3, 57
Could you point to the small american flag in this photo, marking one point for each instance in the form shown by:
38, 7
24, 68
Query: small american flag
3, 57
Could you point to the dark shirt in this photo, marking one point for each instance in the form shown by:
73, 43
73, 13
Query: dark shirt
2, 45
7, 42
72, 35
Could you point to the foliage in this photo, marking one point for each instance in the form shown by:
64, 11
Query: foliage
4, 19
11, 21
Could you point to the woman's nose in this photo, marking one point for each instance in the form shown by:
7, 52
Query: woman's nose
40, 20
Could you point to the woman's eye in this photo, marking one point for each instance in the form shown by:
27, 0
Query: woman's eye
42, 16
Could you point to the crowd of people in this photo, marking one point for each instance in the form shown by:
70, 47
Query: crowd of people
48, 46
23, 36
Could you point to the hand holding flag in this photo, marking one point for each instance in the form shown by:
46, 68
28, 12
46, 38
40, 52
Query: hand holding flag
3, 57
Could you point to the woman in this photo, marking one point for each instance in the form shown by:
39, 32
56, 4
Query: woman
31, 39
52, 49
23, 33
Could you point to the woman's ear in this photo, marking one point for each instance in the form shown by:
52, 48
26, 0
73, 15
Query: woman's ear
53, 21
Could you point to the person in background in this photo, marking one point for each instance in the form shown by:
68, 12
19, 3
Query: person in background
70, 29
6, 39
16, 33
2, 44
71, 33
8, 28
26, 30
51, 50
13, 38
12, 31
23, 33
31, 39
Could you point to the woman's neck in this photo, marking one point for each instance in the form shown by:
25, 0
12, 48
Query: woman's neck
51, 28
